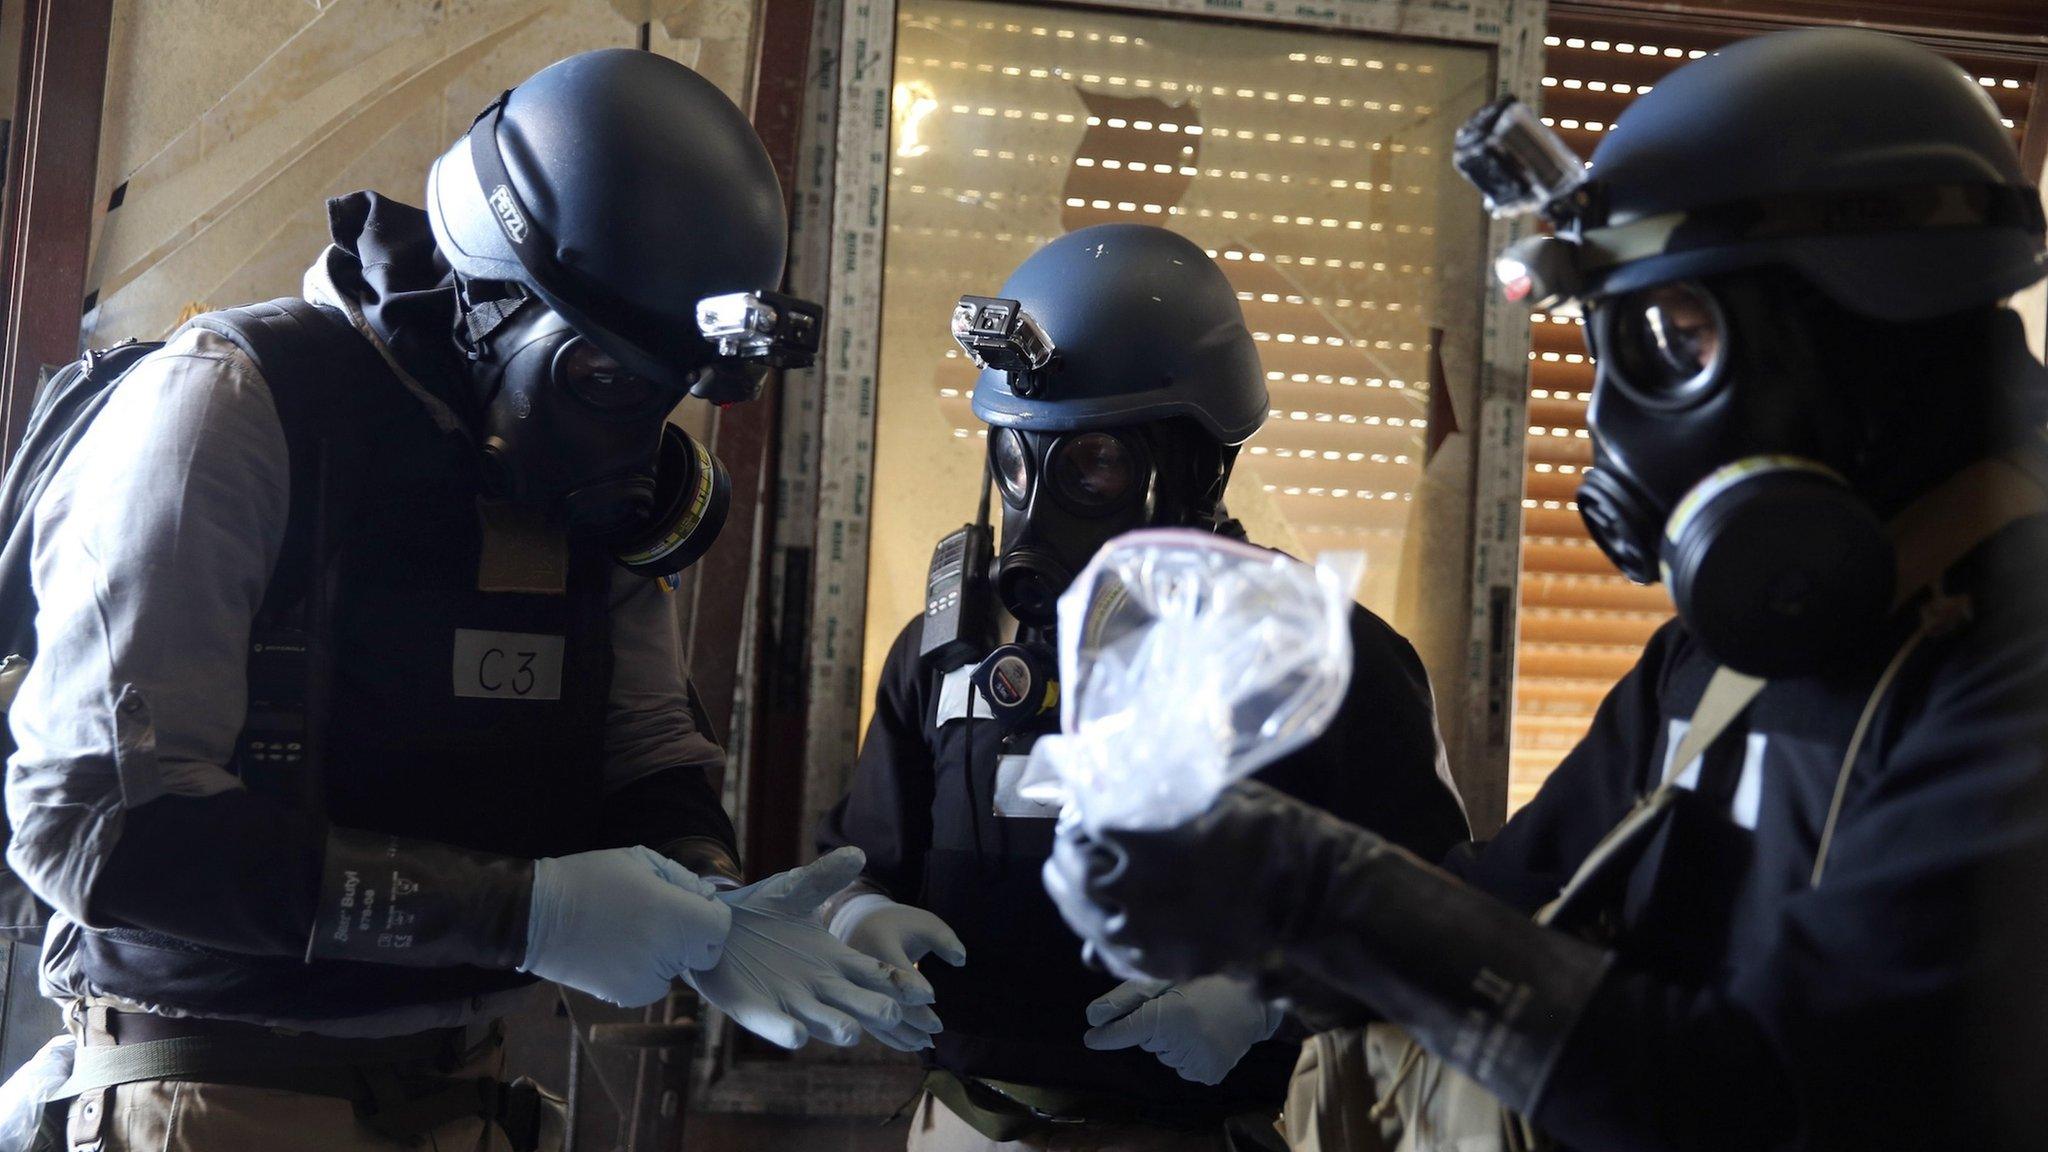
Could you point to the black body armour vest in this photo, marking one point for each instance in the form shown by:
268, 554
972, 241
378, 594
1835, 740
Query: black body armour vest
393, 693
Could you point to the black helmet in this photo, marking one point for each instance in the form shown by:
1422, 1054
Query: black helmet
620, 188
1142, 326
1869, 166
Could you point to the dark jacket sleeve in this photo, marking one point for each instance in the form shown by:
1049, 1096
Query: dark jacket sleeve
887, 810
661, 754
675, 812
1866, 1019
1378, 765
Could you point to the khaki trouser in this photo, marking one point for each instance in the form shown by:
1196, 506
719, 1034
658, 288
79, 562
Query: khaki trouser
936, 1129
175, 1116
184, 1116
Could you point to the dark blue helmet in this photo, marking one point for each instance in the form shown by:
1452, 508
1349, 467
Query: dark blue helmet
1143, 326
633, 189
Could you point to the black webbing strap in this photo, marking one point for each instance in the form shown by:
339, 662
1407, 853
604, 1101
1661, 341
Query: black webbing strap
480, 318
280, 1061
407, 1109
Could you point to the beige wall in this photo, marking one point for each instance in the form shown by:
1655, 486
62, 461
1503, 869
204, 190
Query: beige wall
231, 121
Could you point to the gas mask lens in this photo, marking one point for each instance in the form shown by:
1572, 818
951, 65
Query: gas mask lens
1667, 342
1092, 471
585, 372
1013, 466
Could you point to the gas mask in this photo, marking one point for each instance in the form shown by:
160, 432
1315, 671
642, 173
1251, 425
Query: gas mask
1708, 474
1732, 457
1064, 496
560, 421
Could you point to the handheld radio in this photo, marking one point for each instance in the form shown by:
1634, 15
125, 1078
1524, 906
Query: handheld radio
959, 608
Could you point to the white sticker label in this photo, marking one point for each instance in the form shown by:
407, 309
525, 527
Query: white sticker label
1011, 800
507, 665
1749, 790
953, 693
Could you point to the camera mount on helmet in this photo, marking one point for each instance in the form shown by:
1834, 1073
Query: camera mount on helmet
999, 335
1890, 190
1895, 190
616, 230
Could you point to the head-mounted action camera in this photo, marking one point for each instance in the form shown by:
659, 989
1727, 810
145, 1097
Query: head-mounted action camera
1519, 165
998, 334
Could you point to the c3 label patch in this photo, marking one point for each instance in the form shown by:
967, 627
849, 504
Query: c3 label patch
507, 665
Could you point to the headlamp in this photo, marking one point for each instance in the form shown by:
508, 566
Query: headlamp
998, 334
1517, 164
1541, 272
763, 327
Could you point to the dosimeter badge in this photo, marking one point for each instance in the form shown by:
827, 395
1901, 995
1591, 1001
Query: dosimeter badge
998, 334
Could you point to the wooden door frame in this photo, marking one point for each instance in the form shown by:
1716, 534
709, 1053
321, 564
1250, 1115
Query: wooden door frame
52, 159
46, 223
1479, 703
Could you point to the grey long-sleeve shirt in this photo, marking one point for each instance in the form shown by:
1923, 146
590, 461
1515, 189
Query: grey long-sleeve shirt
153, 547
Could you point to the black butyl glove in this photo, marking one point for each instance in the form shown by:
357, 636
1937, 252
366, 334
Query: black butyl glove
390, 900
1263, 884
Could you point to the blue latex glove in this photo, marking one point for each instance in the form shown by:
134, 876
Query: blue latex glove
1200, 1029
785, 979
621, 923
898, 935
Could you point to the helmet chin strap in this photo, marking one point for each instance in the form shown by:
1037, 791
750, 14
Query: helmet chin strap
1218, 518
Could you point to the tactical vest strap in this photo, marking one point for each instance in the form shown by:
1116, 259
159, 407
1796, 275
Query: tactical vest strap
309, 356
318, 369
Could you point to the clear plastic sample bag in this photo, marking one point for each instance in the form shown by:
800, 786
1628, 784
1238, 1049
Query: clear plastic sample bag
1188, 661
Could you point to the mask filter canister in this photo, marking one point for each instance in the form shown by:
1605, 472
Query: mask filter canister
1777, 566
692, 493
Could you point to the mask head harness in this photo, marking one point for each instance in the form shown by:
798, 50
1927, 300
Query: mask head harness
1708, 471
561, 419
